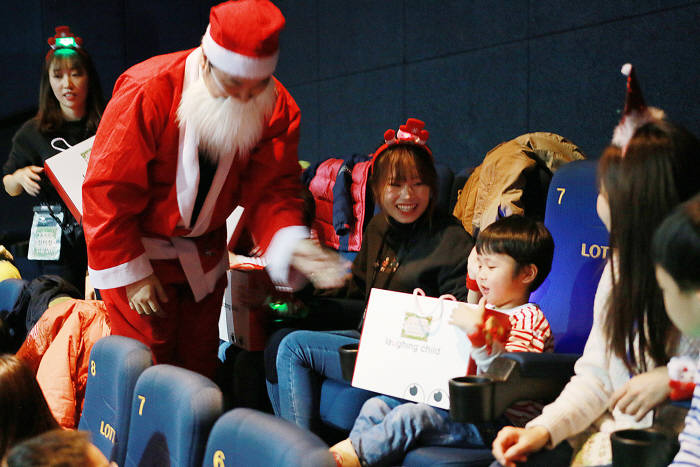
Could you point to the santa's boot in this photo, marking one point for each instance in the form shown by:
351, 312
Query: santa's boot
344, 454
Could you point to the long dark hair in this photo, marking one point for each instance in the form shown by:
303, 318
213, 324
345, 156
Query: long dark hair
49, 115
659, 169
23, 409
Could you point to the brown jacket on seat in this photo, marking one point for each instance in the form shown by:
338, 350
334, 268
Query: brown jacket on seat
498, 183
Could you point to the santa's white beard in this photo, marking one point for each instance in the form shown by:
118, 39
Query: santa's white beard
225, 126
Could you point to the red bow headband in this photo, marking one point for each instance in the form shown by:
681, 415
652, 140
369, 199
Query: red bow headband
412, 132
64, 39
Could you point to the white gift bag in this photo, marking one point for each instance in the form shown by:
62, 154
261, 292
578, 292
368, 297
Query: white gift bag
66, 171
408, 349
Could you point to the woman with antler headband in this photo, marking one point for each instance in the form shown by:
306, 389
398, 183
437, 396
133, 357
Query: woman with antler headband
407, 245
70, 108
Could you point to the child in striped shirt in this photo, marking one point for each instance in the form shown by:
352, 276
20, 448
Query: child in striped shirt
676, 254
514, 256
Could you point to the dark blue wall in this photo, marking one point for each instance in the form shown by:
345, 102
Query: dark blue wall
478, 72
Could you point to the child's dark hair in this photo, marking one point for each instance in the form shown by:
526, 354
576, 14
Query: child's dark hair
525, 240
676, 245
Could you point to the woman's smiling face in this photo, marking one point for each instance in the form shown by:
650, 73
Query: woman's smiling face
405, 200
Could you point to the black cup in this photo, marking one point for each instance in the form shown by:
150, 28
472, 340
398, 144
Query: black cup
642, 448
348, 356
471, 399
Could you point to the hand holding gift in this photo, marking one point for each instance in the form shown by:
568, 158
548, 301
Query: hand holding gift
483, 326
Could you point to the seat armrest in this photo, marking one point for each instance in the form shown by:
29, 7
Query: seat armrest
513, 377
540, 365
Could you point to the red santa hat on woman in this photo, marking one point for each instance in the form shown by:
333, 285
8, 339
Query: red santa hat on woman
242, 38
636, 112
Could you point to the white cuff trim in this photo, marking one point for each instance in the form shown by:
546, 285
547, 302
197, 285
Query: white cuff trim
237, 64
121, 275
279, 255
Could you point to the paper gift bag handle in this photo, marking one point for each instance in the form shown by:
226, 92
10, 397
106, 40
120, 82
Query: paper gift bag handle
436, 318
55, 144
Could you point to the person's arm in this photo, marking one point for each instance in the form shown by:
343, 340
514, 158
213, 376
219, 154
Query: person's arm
529, 332
587, 395
273, 208
116, 187
22, 170
473, 292
25, 179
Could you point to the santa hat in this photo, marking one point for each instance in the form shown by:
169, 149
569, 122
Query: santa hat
412, 132
242, 38
636, 112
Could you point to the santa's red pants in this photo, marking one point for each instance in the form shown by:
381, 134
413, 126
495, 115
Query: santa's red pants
187, 335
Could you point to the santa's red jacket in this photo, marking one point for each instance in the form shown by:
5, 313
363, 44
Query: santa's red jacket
142, 180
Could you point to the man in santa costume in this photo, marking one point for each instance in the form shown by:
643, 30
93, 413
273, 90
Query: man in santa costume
185, 139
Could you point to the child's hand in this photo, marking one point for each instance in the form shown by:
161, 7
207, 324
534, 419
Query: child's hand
642, 393
468, 318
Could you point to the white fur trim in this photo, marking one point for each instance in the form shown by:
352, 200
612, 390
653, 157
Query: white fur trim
187, 172
158, 248
406, 135
200, 282
626, 69
121, 275
625, 129
237, 64
279, 256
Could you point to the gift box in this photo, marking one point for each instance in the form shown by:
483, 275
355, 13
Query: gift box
245, 312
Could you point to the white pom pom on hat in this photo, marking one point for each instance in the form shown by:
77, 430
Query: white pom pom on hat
636, 113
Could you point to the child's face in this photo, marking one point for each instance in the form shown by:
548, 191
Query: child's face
500, 282
683, 307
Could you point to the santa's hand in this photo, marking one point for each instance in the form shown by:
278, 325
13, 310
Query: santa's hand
28, 178
145, 294
642, 393
325, 268
89, 289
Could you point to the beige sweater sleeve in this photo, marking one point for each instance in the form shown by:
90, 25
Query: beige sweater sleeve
586, 396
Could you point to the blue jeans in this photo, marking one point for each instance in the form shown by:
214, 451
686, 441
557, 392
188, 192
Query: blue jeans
304, 359
387, 428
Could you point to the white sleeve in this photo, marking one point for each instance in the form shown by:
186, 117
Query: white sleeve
279, 256
586, 396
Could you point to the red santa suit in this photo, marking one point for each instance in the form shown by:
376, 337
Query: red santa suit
138, 199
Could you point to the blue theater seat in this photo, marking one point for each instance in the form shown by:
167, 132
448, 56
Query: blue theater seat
580, 250
9, 292
248, 438
116, 362
172, 412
